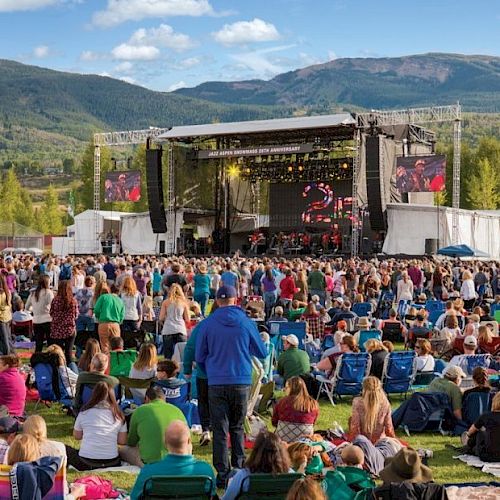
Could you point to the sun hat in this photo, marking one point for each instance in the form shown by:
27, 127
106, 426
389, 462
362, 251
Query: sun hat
291, 339
470, 340
453, 371
405, 466
364, 322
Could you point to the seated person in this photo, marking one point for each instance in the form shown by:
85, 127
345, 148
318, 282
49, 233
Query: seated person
347, 345
297, 410
393, 319
9, 428
485, 313
378, 353
68, 376
481, 384
483, 436
352, 469
407, 460
147, 425
98, 367
306, 487
278, 315
371, 412
336, 308
441, 321
120, 360
166, 378
421, 299
419, 329
297, 310
268, 456
485, 338
470, 346
472, 326
178, 462
12, 385
425, 361
292, 362
20, 315
305, 456
144, 368
388, 345
450, 331
450, 384
92, 347
101, 427
324, 316
35, 426
346, 314
410, 317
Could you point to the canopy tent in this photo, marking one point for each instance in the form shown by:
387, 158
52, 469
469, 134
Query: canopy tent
461, 251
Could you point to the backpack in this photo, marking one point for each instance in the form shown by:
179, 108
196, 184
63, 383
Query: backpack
65, 272
121, 362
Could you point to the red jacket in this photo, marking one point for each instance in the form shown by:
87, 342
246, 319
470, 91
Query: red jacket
287, 287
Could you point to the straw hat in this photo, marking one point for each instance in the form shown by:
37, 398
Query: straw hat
405, 466
363, 322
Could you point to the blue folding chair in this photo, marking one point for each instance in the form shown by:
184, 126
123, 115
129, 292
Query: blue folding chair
347, 380
400, 369
493, 309
365, 335
434, 305
475, 360
475, 404
279, 329
87, 390
362, 309
434, 316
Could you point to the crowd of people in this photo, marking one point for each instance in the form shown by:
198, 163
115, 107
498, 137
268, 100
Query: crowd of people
211, 320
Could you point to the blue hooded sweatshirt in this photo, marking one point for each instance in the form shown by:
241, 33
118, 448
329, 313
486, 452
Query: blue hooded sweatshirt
225, 343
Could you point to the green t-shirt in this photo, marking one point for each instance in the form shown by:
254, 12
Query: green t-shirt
448, 387
316, 281
293, 362
294, 315
147, 428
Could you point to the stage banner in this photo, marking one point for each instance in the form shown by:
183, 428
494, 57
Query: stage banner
122, 186
255, 151
417, 174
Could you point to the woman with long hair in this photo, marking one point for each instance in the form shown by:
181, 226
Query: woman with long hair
92, 347
101, 427
24, 448
268, 456
144, 368
371, 412
301, 286
132, 301
5, 316
269, 290
306, 488
348, 344
404, 294
36, 426
174, 314
64, 311
468, 290
68, 376
39, 302
297, 411
77, 278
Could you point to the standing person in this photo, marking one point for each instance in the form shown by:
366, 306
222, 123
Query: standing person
174, 315
64, 311
287, 289
201, 292
467, 290
227, 340
110, 270
269, 291
404, 294
316, 282
85, 321
109, 312
5, 316
132, 301
437, 283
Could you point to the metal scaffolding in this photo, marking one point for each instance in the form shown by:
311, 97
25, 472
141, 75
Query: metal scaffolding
170, 244
355, 201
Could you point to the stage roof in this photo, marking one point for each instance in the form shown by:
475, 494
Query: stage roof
260, 126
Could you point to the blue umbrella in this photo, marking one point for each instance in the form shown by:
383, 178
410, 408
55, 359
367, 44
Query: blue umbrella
461, 251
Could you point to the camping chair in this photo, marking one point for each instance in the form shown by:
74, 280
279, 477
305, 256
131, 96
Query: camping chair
458, 345
423, 379
278, 329
179, 397
492, 348
22, 328
365, 335
400, 368
122, 391
492, 325
347, 380
475, 360
439, 346
362, 309
434, 305
392, 331
270, 486
185, 487
434, 316
475, 404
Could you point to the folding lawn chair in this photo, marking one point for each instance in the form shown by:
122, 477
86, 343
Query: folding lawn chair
365, 335
269, 486
400, 368
362, 309
475, 404
171, 487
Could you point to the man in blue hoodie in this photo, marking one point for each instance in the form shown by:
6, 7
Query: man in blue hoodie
225, 343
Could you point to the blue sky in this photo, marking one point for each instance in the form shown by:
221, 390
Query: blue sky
167, 44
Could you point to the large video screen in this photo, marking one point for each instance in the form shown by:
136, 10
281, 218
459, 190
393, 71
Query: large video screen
416, 174
308, 204
122, 186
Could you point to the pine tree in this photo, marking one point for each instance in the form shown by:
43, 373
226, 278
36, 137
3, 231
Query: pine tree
10, 194
483, 188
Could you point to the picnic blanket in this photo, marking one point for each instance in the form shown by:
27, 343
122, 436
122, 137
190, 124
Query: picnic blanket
129, 469
473, 492
486, 467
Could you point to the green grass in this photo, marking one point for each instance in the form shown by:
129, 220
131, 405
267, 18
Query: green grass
444, 468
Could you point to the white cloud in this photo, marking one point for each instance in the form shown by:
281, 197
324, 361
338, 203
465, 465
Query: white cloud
176, 86
189, 62
119, 11
131, 52
163, 36
21, 5
259, 63
41, 51
243, 32
332, 55
124, 67
88, 55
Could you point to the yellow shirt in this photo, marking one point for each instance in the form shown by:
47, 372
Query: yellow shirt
5, 309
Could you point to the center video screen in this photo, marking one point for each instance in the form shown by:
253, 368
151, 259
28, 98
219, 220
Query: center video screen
309, 204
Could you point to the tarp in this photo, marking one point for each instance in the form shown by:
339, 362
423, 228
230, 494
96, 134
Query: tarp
461, 251
410, 225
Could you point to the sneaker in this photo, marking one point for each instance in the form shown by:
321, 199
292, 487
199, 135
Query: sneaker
205, 438
464, 438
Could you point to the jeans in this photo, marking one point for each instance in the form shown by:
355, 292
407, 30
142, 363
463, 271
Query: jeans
130, 325
203, 406
84, 323
41, 333
438, 292
269, 301
169, 342
228, 408
66, 345
202, 299
5, 347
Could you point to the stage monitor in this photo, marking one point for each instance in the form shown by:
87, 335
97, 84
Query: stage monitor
417, 174
122, 186
310, 204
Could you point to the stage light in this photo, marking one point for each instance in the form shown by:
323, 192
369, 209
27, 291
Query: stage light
248, 170
290, 168
301, 168
345, 165
233, 171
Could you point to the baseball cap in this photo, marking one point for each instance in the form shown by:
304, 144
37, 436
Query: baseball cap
292, 339
470, 340
8, 425
454, 371
226, 292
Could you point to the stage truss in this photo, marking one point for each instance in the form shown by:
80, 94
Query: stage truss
365, 121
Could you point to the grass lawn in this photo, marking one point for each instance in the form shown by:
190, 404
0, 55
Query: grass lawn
444, 468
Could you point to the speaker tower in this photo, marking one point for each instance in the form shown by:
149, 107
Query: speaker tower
154, 177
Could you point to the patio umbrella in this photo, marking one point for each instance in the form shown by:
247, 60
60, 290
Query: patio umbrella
461, 251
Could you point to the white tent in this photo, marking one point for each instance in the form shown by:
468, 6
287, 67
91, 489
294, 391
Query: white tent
410, 225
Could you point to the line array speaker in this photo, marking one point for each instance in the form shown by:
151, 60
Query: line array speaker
373, 184
154, 179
